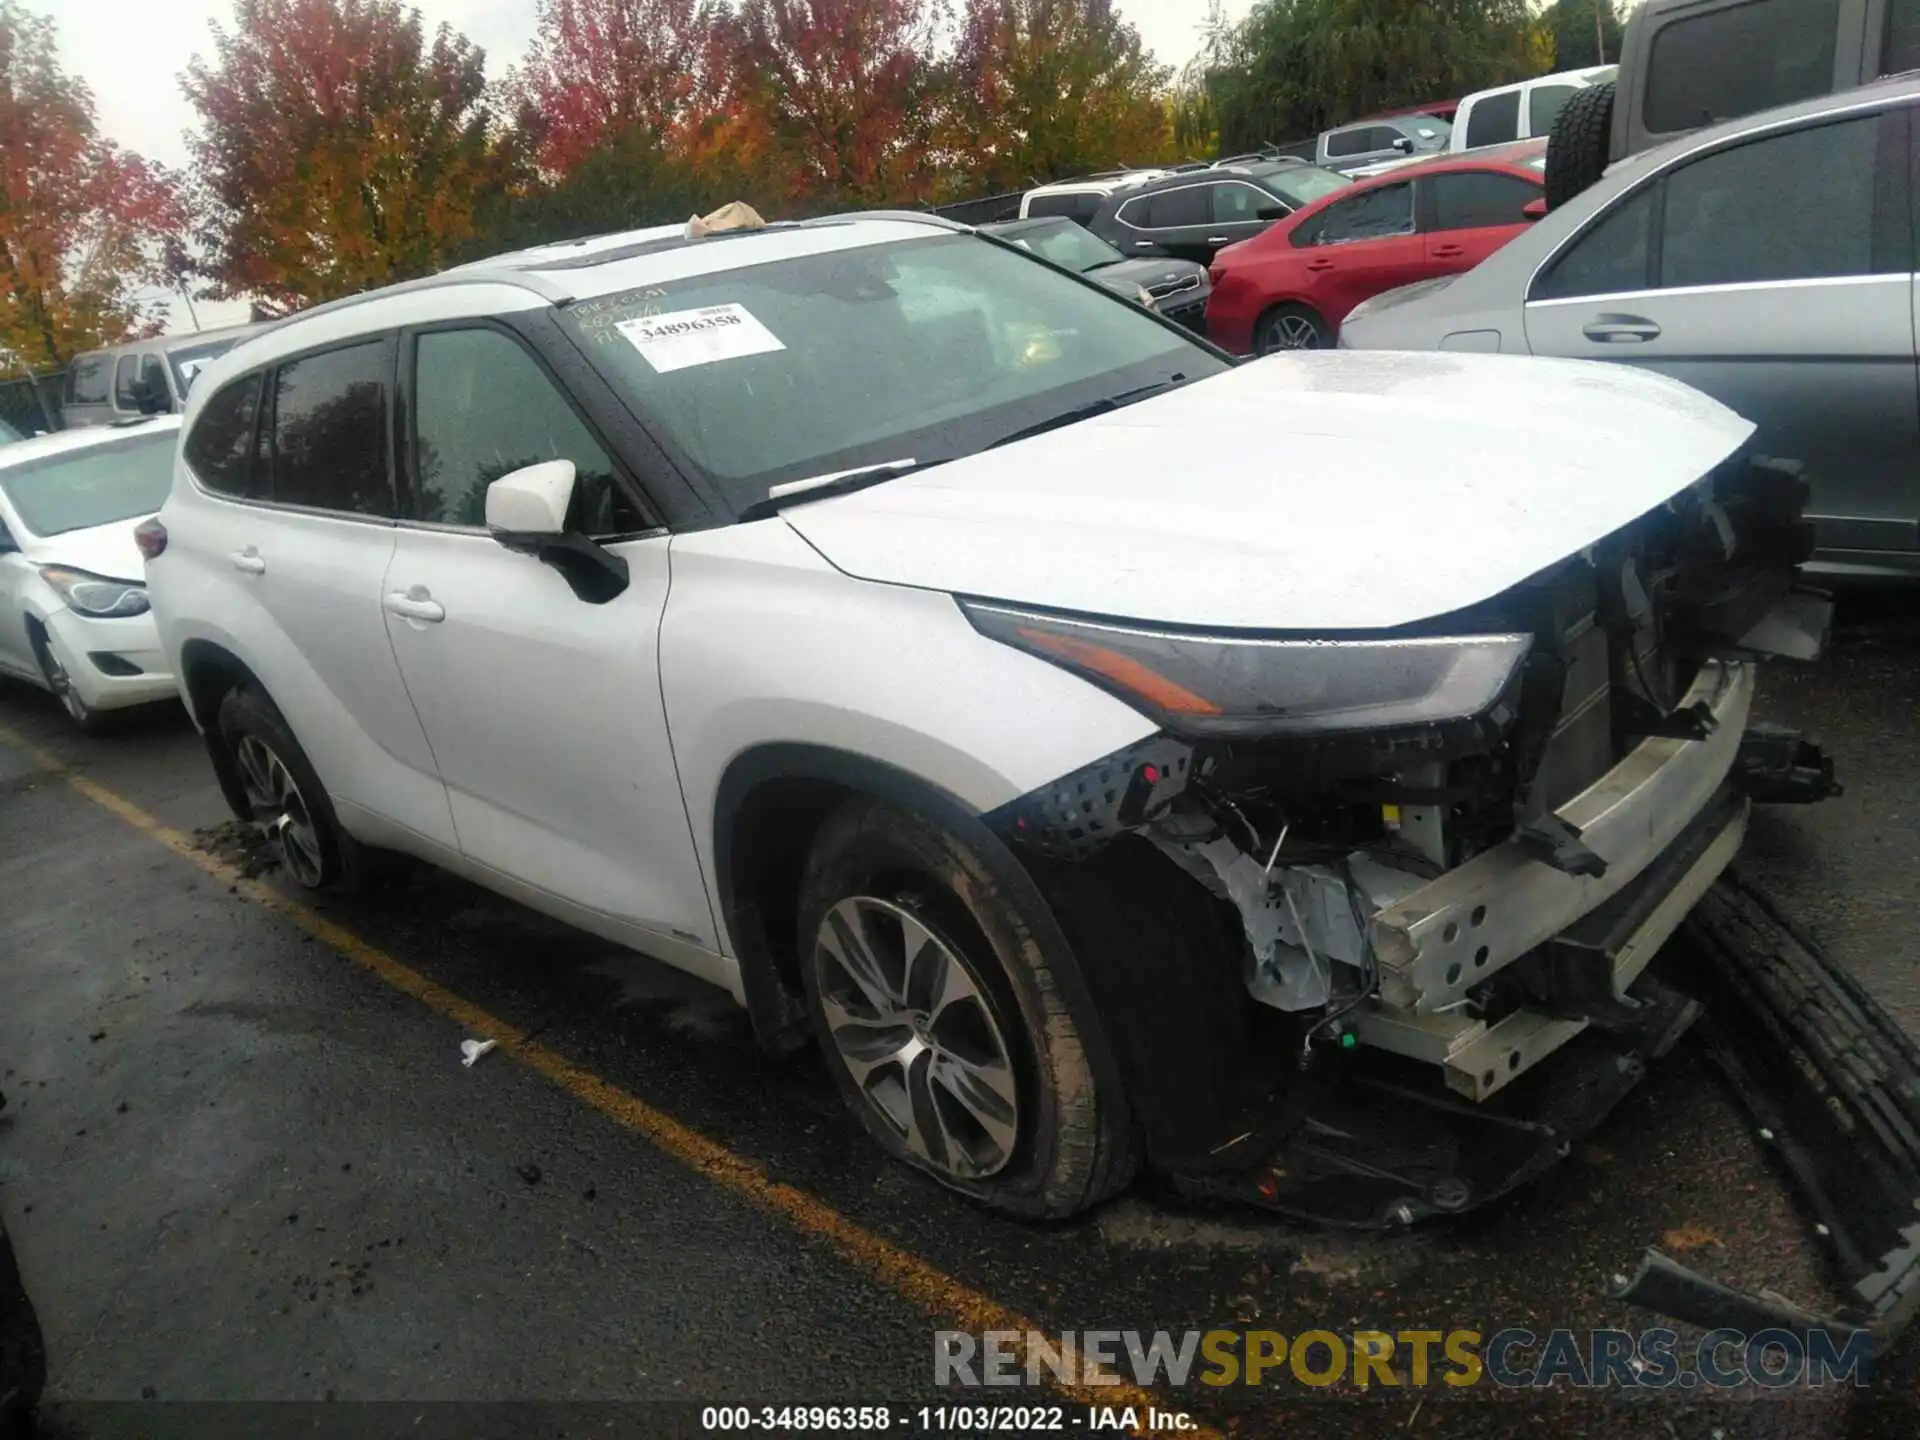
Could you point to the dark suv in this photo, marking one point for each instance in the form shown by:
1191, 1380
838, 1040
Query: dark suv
1193, 216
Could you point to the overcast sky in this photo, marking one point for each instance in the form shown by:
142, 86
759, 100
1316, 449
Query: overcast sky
131, 52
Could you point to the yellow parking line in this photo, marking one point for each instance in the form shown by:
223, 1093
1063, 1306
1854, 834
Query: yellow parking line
927, 1286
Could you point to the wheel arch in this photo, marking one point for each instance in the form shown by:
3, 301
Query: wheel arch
769, 804
208, 673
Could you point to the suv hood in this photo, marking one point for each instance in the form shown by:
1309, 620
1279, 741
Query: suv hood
1331, 490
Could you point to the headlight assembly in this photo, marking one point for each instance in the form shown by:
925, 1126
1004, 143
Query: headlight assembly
1223, 685
96, 595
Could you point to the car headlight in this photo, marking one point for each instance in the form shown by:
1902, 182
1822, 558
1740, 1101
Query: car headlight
1221, 685
1145, 297
95, 594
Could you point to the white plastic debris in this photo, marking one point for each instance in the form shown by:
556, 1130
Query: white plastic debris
472, 1050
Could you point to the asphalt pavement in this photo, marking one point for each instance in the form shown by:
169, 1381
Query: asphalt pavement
242, 1161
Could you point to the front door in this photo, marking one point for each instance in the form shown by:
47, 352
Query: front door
543, 709
1777, 276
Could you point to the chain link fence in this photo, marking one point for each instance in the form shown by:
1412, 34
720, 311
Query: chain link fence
32, 406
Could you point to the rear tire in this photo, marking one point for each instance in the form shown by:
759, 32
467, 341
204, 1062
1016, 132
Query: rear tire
284, 796
1580, 143
946, 1002
1291, 327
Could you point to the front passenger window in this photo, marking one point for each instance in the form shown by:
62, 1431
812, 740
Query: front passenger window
483, 408
1610, 259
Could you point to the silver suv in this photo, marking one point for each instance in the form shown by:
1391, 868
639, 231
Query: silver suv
142, 377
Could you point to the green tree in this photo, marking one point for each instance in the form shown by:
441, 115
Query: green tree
1295, 67
1575, 42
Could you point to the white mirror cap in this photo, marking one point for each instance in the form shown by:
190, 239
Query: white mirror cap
532, 500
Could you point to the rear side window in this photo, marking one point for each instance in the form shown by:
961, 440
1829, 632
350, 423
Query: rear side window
1356, 141
220, 446
1811, 204
1544, 104
482, 408
1733, 62
1371, 215
329, 431
1494, 120
1237, 204
1189, 205
1610, 258
88, 378
1473, 199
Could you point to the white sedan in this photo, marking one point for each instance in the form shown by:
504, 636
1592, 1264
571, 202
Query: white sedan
74, 617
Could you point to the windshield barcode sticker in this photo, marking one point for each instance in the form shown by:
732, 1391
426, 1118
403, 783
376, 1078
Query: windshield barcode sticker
682, 338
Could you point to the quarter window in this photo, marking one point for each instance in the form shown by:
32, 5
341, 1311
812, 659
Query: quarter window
1544, 104
1810, 204
1610, 258
483, 407
329, 431
220, 447
1494, 120
1474, 199
1733, 61
1371, 215
1188, 205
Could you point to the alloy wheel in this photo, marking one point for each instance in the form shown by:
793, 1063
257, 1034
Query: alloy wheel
280, 808
910, 1022
1289, 332
62, 686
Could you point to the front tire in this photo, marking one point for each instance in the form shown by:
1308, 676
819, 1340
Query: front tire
1291, 327
284, 796
83, 715
938, 987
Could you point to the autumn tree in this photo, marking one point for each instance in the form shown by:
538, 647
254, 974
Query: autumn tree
1295, 67
340, 149
83, 224
846, 92
600, 69
1058, 87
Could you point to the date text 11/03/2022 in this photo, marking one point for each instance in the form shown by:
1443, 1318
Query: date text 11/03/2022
947, 1419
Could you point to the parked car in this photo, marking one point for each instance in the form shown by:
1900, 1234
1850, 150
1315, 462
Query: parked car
1192, 217
1290, 287
1081, 199
1178, 289
1365, 142
1685, 64
1521, 111
984, 724
1803, 323
141, 377
74, 616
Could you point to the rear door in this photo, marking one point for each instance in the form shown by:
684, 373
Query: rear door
1469, 214
544, 709
1775, 274
1362, 244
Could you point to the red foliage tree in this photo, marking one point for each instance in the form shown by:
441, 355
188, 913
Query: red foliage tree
340, 149
598, 68
84, 225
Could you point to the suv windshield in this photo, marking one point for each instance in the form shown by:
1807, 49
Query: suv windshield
1301, 184
94, 486
189, 360
929, 348
1071, 246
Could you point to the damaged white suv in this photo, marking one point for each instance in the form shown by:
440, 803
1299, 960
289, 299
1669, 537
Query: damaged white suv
1281, 773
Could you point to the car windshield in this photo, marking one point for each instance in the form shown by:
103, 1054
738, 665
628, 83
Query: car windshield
190, 360
928, 348
1071, 246
1303, 184
94, 486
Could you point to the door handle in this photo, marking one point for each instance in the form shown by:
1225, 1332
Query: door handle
1219, 239
1620, 329
415, 604
1143, 244
1319, 264
248, 561
1448, 251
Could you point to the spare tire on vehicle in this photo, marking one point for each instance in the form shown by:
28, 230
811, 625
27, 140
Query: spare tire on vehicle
1577, 147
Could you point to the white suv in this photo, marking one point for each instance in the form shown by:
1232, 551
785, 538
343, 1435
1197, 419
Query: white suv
1072, 729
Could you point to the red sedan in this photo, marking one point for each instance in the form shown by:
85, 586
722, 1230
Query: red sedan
1289, 287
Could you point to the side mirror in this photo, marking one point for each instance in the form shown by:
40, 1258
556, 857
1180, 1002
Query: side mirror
1403, 145
151, 399
527, 511
1534, 209
1272, 212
